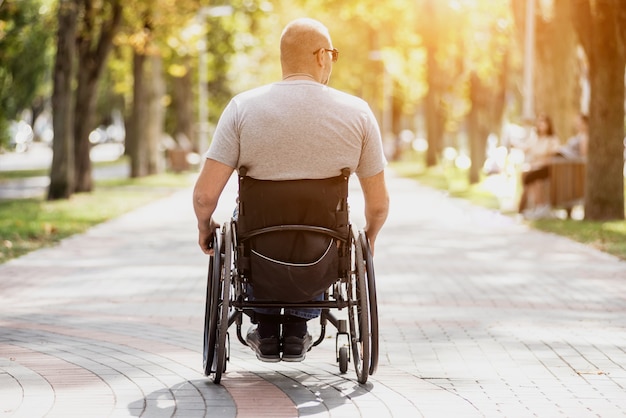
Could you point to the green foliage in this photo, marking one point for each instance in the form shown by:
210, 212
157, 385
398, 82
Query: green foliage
235, 41
236, 45
25, 57
243, 46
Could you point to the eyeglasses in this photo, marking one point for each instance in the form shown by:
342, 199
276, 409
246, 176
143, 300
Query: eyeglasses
334, 53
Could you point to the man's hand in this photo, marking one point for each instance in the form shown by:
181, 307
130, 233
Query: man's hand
370, 242
205, 237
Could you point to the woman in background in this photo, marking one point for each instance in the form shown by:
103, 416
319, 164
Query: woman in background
541, 145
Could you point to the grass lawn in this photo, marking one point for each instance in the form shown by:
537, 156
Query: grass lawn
609, 237
29, 224
12, 175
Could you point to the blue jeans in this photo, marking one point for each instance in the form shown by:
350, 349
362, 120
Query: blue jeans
305, 313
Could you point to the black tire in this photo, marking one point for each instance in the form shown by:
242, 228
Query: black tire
344, 359
373, 302
221, 350
211, 304
358, 314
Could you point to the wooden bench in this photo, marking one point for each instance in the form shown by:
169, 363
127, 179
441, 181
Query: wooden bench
567, 184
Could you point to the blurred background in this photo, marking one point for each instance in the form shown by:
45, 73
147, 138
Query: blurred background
452, 82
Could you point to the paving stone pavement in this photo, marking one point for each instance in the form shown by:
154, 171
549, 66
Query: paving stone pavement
479, 316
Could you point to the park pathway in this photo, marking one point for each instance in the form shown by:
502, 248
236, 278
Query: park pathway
479, 316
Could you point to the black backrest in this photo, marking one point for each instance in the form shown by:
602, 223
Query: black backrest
314, 202
292, 235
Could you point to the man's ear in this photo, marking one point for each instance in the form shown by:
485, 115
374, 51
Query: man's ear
319, 58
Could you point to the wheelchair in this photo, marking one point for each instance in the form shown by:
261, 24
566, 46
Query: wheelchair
289, 242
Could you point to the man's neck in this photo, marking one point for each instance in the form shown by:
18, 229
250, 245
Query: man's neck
299, 76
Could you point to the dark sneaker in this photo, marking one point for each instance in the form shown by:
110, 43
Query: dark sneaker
295, 348
266, 349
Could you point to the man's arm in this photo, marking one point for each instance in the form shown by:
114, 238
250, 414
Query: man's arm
206, 193
376, 204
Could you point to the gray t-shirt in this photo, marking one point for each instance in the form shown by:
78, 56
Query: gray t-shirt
298, 130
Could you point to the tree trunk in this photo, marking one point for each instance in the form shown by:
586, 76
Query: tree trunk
477, 132
488, 98
139, 120
148, 116
182, 105
94, 44
62, 170
478, 125
600, 27
557, 75
83, 125
434, 115
557, 70
156, 114
604, 194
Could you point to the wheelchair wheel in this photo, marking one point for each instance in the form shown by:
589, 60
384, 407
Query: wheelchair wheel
373, 302
221, 344
211, 306
344, 359
358, 313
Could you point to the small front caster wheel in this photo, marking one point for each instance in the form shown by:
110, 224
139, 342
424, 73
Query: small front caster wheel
343, 360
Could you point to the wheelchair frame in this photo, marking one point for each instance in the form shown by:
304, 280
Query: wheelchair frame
226, 301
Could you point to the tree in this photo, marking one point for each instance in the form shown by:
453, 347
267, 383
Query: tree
487, 104
97, 26
556, 74
181, 119
226, 41
96, 22
557, 79
62, 175
601, 28
146, 125
487, 44
433, 106
150, 28
24, 32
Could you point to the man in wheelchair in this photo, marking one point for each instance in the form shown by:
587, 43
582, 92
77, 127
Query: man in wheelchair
294, 129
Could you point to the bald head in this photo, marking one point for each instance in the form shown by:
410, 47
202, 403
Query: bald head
298, 42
